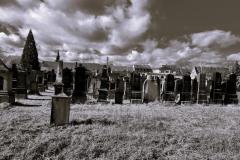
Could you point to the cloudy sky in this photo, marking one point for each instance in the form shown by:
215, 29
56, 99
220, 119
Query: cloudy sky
152, 32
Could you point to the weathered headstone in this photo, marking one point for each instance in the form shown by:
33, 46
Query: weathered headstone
168, 90
150, 90
178, 90
58, 87
104, 87
186, 89
119, 91
80, 85
67, 80
230, 90
60, 110
202, 89
136, 93
40, 81
194, 90
216, 91
32, 78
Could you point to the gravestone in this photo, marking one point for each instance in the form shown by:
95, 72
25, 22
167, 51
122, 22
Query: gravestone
216, 90
80, 85
202, 89
67, 80
40, 81
51, 77
58, 88
32, 78
150, 90
186, 89
194, 90
136, 93
119, 91
21, 89
60, 110
168, 90
178, 90
230, 90
127, 88
104, 87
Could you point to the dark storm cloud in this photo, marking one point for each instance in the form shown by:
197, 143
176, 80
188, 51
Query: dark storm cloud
128, 31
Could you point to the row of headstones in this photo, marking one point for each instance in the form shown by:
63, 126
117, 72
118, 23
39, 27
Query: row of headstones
30, 81
185, 90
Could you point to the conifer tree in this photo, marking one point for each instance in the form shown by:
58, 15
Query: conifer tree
30, 54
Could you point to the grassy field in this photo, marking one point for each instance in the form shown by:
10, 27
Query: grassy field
151, 131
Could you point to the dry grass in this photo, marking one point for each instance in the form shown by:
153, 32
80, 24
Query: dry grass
122, 132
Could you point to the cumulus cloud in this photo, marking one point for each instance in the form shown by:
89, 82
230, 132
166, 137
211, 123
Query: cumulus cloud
126, 31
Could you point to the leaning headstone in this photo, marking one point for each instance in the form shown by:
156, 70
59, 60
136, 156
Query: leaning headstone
168, 90
119, 91
104, 87
136, 93
67, 80
216, 91
186, 89
202, 89
230, 94
80, 85
60, 110
150, 90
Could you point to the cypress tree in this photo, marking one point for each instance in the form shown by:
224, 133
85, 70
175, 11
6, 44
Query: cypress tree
30, 54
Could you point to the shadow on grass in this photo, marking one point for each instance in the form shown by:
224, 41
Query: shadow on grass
90, 121
25, 105
38, 99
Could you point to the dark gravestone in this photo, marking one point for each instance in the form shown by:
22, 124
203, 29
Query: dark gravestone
104, 87
186, 89
80, 87
168, 90
21, 89
194, 90
58, 87
14, 77
119, 91
136, 92
178, 90
216, 90
33, 79
230, 90
202, 89
40, 81
67, 81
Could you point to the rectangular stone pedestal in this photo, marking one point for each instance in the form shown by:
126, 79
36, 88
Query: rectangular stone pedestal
60, 110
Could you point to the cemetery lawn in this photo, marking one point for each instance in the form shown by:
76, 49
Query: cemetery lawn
100, 131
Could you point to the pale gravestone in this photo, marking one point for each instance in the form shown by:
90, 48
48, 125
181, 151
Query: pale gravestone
119, 90
67, 80
202, 89
150, 90
80, 85
216, 90
168, 90
230, 90
178, 90
104, 87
